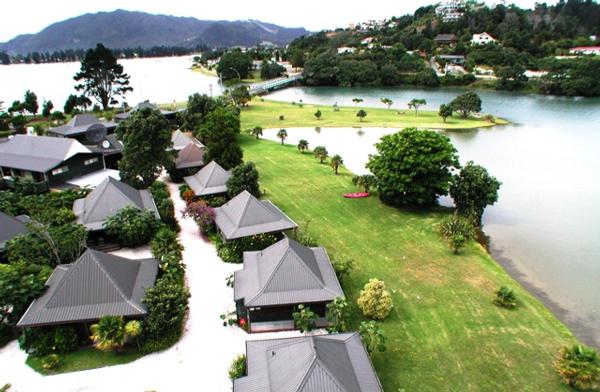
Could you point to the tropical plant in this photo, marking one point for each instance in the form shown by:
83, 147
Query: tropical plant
133, 330
282, 134
365, 181
374, 300
132, 227
335, 163
361, 114
445, 111
241, 95
109, 333
342, 267
472, 190
321, 153
579, 367
165, 242
237, 368
457, 230
304, 318
505, 297
302, 145
256, 131
388, 102
416, 103
337, 314
244, 177
318, 114
372, 336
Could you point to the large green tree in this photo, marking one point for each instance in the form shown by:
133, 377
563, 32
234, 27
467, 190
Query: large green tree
413, 167
466, 104
146, 138
101, 77
234, 64
244, 177
473, 189
198, 107
218, 133
30, 102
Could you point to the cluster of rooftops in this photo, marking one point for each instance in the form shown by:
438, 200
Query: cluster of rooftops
272, 283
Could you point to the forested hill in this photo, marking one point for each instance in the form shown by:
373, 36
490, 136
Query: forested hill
124, 29
404, 50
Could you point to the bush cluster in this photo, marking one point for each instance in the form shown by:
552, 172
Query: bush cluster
132, 227
233, 251
164, 204
43, 341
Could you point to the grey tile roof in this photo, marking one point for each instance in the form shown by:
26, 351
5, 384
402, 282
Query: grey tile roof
191, 155
114, 145
445, 37
79, 124
245, 215
97, 284
142, 105
109, 197
181, 140
286, 272
210, 180
10, 227
38, 153
327, 363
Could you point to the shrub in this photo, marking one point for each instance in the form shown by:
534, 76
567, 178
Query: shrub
29, 249
342, 266
201, 213
215, 201
109, 333
182, 189
505, 297
165, 242
304, 319
164, 204
337, 315
372, 336
366, 181
6, 334
244, 177
457, 230
50, 362
65, 339
374, 300
132, 227
42, 341
237, 368
232, 251
579, 367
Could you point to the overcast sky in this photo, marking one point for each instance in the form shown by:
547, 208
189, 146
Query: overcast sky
31, 16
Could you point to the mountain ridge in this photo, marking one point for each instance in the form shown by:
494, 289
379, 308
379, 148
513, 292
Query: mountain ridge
121, 29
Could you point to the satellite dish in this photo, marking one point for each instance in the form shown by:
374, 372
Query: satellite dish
106, 144
95, 133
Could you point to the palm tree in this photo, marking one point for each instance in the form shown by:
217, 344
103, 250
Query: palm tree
133, 329
318, 114
416, 104
321, 153
387, 101
256, 131
336, 161
109, 333
282, 134
302, 145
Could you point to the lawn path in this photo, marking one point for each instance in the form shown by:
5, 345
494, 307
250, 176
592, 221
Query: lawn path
198, 361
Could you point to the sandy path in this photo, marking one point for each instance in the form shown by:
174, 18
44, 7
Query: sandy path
199, 361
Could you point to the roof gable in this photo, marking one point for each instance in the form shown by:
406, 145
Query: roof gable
246, 210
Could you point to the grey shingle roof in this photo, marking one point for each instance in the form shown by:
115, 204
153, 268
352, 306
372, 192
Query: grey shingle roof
286, 272
245, 215
142, 105
191, 155
109, 198
38, 153
445, 37
10, 227
79, 124
328, 363
181, 140
97, 284
210, 180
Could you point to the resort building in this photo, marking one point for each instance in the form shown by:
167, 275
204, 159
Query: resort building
170, 115
189, 150
276, 280
482, 39
245, 216
445, 39
10, 227
210, 180
46, 162
327, 363
96, 285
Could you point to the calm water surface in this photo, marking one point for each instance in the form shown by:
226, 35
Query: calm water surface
546, 225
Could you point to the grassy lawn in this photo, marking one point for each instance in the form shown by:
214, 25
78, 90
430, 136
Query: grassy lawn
84, 359
444, 333
266, 114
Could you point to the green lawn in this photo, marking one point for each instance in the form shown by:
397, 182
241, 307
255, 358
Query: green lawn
444, 333
266, 114
84, 359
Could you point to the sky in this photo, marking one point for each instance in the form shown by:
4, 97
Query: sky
31, 16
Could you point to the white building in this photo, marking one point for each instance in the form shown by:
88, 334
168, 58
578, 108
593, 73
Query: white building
593, 50
451, 10
482, 39
345, 50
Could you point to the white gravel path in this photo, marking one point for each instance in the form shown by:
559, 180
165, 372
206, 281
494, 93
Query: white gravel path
199, 361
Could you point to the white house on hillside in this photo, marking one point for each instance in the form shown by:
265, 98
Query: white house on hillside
345, 50
594, 50
482, 39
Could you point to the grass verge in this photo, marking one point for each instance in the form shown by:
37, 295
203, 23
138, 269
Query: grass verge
85, 359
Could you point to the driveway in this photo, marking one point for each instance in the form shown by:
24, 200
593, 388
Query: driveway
199, 361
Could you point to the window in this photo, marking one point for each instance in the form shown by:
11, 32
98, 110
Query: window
90, 161
60, 170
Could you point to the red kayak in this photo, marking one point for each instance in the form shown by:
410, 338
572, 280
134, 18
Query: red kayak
357, 195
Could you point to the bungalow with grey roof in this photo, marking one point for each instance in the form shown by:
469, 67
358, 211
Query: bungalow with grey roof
209, 181
245, 216
170, 115
326, 363
189, 155
276, 280
96, 285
